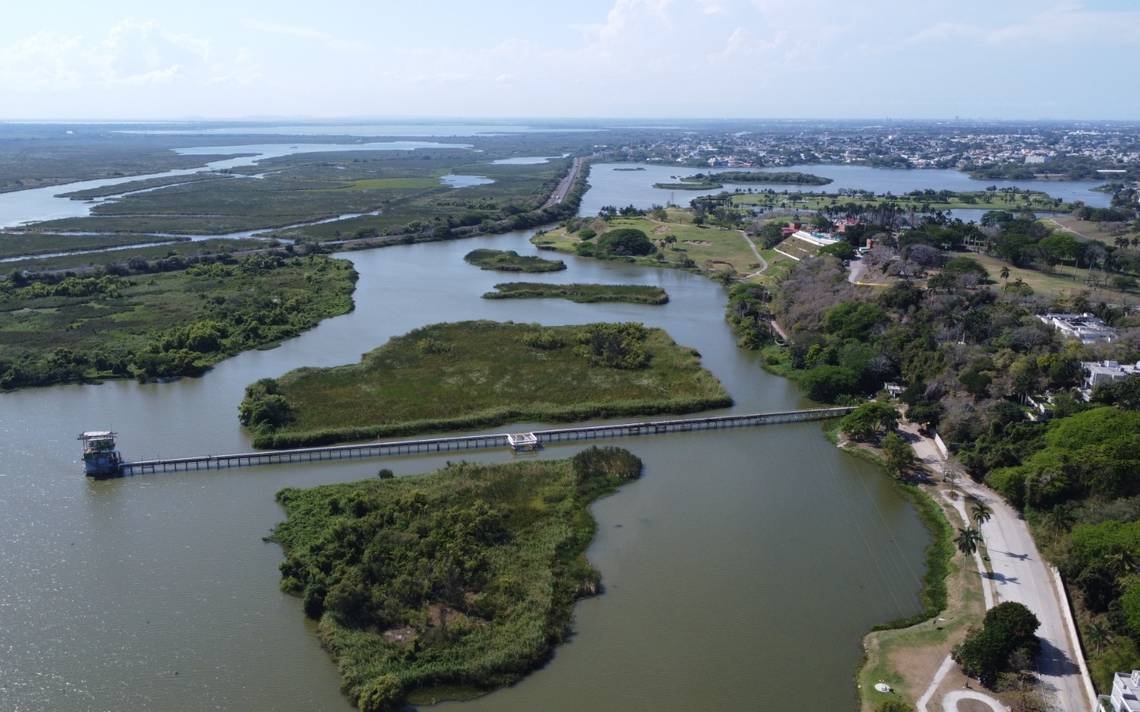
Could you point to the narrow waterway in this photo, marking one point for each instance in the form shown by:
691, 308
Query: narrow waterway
20, 207
740, 572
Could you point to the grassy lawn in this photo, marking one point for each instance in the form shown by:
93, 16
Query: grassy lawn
482, 373
710, 250
582, 293
443, 585
1064, 281
1087, 229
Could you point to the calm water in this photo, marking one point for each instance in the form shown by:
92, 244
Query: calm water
740, 572
460, 181
370, 129
620, 188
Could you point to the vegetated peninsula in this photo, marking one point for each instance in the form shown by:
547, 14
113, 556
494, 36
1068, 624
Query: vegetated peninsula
712, 181
661, 237
511, 261
176, 323
482, 373
451, 583
583, 293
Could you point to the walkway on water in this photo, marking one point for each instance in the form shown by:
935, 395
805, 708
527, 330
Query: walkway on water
473, 442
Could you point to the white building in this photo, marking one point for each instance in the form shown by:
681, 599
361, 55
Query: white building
1098, 372
820, 239
1086, 327
1125, 689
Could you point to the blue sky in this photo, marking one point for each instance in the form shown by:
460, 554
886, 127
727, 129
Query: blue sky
587, 58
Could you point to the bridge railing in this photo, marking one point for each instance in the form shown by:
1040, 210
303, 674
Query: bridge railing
472, 442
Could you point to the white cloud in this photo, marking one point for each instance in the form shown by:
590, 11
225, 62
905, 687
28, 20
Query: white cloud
1067, 23
327, 39
131, 53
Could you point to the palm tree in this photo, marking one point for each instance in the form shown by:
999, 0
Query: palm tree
1122, 561
1005, 272
980, 512
1096, 634
1058, 520
968, 540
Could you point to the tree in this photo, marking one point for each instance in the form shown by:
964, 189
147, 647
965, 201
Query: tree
967, 540
1004, 272
870, 419
900, 456
1096, 633
980, 512
1007, 628
826, 383
625, 242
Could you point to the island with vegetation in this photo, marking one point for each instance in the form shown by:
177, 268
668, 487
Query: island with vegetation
447, 584
659, 237
582, 293
511, 261
460, 376
59, 329
712, 181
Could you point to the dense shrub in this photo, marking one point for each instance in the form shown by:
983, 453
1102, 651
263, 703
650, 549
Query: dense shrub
626, 242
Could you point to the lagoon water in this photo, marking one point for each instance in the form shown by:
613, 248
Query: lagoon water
740, 572
630, 187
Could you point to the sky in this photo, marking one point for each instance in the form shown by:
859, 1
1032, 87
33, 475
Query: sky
212, 59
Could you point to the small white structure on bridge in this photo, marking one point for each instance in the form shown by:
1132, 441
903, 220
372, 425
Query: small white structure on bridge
522, 441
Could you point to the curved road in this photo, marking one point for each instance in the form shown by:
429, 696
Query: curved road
1020, 574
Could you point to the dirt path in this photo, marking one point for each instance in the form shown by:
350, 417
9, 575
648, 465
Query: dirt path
763, 262
950, 701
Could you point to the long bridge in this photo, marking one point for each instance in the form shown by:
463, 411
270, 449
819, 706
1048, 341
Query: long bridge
474, 442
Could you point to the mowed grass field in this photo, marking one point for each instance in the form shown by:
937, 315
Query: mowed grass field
1089, 230
711, 249
482, 373
1064, 281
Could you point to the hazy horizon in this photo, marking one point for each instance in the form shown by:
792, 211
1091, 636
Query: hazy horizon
595, 59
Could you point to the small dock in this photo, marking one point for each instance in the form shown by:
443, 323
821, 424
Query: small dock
516, 441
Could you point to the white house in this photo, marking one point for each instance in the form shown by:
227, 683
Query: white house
1086, 327
1125, 697
1098, 372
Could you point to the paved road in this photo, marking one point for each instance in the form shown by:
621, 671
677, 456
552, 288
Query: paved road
1019, 574
565, 184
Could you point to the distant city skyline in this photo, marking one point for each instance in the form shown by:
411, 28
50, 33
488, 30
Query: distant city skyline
292, 60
